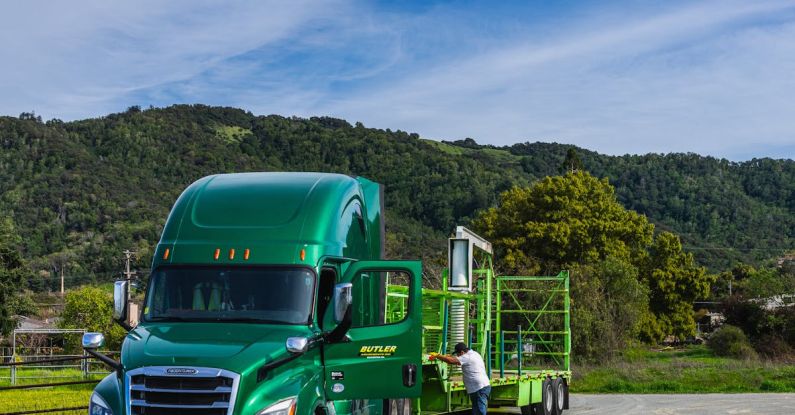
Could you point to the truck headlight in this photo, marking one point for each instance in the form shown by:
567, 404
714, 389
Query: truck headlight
98, 406
283, 407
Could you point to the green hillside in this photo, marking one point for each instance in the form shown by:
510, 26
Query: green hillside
81, 192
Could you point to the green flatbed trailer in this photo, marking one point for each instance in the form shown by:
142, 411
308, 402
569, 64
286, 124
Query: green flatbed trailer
518, 379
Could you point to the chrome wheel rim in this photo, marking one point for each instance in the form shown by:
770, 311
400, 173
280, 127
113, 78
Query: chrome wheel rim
549, 395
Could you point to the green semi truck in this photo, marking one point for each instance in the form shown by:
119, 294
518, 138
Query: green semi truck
269, 295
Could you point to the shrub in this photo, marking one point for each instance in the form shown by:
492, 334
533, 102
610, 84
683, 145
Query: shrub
731, 341
608, 307
23, 305
774, 347
91, 309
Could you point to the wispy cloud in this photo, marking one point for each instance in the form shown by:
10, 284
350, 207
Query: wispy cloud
74, 59
706, 78
713, 77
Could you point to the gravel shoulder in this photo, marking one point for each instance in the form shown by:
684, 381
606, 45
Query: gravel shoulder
704, 404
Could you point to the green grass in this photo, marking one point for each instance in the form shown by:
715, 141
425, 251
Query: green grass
689, 370
45, 398
231, 134
502, 156
497, 155
445, 148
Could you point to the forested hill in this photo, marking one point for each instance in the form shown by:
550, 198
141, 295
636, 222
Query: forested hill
81, 192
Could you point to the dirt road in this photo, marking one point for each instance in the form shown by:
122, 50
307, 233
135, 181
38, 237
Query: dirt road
707, 404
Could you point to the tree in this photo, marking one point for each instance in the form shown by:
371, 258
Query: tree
675, 282
12, 275
563, 220
575, 220
572, 163
608, 308
91, 309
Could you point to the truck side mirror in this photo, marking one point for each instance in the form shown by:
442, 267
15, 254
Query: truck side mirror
120, 300
343, 298
93, 341
297, 344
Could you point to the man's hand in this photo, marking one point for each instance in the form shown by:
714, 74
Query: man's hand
444, 358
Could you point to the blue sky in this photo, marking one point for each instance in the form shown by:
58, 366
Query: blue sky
711, 77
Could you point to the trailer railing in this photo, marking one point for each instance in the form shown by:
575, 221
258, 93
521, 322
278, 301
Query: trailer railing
521, 323
532, 323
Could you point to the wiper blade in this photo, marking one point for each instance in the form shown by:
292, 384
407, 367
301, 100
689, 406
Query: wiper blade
169, 318
218, 319
250, 320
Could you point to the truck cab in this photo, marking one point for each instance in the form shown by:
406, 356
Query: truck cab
267, 296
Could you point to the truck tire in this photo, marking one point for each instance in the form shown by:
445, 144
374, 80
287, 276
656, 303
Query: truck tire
404, 406
390, 407
548, 406
560, 389
397, 406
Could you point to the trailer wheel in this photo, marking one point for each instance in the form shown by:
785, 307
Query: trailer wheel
561, 395
548, 406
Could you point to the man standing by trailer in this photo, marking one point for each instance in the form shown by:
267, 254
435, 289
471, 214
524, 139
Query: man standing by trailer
476, 380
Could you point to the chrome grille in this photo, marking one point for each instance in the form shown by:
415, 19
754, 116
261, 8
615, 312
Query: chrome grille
181, 391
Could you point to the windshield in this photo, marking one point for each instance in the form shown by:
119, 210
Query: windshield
243, 294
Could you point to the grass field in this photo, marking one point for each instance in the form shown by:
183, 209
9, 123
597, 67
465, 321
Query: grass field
45, 398
687, 370
693, 369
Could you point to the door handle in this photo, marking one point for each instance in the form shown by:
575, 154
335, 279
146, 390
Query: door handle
409, 375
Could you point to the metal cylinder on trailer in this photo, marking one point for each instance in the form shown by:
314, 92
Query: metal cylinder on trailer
458, 322
460, 257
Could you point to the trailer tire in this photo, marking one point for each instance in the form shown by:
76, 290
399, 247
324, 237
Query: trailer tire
548, 405
561, 395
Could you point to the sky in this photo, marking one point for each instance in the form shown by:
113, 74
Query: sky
631, 77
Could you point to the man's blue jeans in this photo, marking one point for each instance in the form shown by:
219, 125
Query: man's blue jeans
480, 400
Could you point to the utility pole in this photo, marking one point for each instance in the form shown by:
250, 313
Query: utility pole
62, 292
128, 275
132, 314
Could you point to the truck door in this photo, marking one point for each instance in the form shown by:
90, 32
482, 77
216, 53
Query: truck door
383, 357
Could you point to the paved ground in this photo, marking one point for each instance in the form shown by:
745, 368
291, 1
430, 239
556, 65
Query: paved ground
707, 404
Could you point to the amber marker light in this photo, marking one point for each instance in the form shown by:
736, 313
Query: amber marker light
165, 253
217, 253
246, 253
303, 254
232, 253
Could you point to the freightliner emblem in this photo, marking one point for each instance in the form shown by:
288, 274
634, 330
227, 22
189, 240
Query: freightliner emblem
181, 371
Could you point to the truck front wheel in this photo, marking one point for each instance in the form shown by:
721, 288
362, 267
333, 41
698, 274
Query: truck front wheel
397, 407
